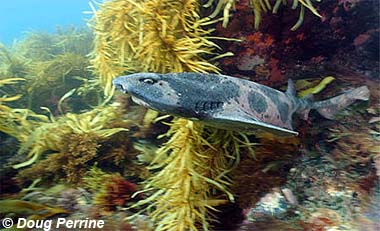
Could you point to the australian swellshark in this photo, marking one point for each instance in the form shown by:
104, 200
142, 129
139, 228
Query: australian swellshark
228, 102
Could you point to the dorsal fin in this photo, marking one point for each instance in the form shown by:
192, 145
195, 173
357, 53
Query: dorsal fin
291, 89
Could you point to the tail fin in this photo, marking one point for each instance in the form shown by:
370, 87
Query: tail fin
330, 107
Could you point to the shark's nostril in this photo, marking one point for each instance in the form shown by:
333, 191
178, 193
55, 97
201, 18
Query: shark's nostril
120, 87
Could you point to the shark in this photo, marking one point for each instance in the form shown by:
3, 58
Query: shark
228, 102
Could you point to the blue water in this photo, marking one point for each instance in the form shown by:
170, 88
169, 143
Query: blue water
20, 16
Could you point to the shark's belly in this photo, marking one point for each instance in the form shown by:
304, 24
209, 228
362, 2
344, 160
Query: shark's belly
248, 125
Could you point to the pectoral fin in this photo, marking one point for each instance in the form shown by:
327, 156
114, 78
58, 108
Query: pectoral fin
248, 124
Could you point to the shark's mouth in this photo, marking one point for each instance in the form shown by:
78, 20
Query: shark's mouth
140, 102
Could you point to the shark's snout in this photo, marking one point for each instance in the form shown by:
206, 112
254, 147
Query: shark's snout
118, 84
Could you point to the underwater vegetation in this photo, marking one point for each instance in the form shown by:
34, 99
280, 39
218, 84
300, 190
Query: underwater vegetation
110, 190
185, 186
53, 112
75, 147
52, 65
49, 134
182, 41
5, 98
155, 36
260, 7
29, 208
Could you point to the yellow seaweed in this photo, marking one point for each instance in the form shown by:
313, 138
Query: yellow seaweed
34, 210
48, 135
3, 82
51, 64
155, 36
190, 171
262, 6
318, 88
193, 165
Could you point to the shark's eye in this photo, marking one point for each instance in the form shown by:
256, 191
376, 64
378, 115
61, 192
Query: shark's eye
148, 81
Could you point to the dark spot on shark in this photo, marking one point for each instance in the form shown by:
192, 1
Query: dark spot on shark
270, 93
275, 97
227, 91
230, 89
257, 102
283, 109
200, 96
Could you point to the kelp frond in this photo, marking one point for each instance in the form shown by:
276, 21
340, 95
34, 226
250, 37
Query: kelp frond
226, 5
6, 111
52, 79
52, 64
6, 98
155, 36
306, 88
263, 6
194, 166
183, 185
190, 171
48, 135
9, 81
34, 211
12, 64
43, 46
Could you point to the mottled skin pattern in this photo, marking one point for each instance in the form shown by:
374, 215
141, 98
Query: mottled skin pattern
225, 101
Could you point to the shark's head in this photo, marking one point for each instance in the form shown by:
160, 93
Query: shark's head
147, 89
190, 95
